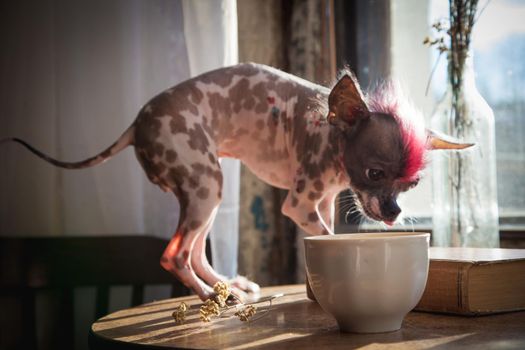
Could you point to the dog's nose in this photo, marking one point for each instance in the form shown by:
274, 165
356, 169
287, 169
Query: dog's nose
391, 210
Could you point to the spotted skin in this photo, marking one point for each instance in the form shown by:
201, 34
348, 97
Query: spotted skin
264, 117
271, 121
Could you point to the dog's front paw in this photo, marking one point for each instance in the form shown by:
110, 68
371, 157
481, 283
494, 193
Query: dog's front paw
245, 285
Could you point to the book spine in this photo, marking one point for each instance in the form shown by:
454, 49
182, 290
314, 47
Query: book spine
447, 288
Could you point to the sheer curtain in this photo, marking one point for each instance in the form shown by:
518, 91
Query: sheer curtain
74, 75
210, 28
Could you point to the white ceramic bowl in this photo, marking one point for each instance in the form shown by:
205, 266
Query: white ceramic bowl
368, 281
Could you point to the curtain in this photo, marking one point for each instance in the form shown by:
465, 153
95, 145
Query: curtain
303, 55
210, 28
267, 238
309, 56
74, 75
293, 36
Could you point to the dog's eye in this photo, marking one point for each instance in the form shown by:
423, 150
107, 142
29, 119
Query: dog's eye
414, 183
375, 174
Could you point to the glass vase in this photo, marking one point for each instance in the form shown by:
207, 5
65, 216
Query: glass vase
465, 207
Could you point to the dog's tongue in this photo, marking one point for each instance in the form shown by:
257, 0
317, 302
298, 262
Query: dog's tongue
389, 223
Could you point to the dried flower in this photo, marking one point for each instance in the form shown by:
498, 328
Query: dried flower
245, 313
180, 313
438, 40
208, 309
220, 300
222, 289
216, 306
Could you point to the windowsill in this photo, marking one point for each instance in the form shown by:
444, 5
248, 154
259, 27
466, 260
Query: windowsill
507, 226
510, 228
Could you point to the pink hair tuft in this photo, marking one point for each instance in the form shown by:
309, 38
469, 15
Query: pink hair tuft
388, 98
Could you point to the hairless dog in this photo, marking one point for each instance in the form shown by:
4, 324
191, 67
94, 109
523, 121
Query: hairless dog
293, 134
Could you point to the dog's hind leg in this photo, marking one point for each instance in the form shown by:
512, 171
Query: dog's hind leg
178, 255
198, 189
240, 286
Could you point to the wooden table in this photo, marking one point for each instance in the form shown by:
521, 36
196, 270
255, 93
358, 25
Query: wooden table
295, 322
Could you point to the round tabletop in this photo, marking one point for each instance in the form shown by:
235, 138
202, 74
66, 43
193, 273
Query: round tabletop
294, 321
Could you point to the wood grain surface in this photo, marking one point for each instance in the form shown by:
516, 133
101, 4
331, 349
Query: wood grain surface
295, 322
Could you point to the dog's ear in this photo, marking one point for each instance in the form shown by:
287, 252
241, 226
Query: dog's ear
346, 103
439, 141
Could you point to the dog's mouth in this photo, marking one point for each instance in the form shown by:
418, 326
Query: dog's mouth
370, 207
370, 214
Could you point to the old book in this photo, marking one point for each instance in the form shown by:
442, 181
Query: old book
474, 281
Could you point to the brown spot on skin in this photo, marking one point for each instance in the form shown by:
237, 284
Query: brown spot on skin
180, 100
181, 263
313, 170
222, 78
171, 156
313, 217
300, 186
314, 195
185, 255
147, 132
238, 93
160, 168
193, 181
221, 112
249, 103
203, 193
152, 169
198, 139
295, 202
178, 174
314, 143
260, 91
212, 158
195, 224
198, 168
196, 95
159, 149
318, 185
178, 125
308, 143
283, 88
216, 174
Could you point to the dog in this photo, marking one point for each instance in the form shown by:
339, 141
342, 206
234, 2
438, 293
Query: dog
293, 134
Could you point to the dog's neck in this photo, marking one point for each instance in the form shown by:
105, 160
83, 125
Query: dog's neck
316, 146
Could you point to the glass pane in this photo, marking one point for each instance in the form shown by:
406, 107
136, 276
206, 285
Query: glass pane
499, 49
499, 44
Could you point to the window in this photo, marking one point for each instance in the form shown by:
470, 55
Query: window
499, 48
499, 44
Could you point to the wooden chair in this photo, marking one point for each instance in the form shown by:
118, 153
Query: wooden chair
29, 266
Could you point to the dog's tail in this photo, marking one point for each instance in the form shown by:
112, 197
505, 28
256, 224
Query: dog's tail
123, 141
